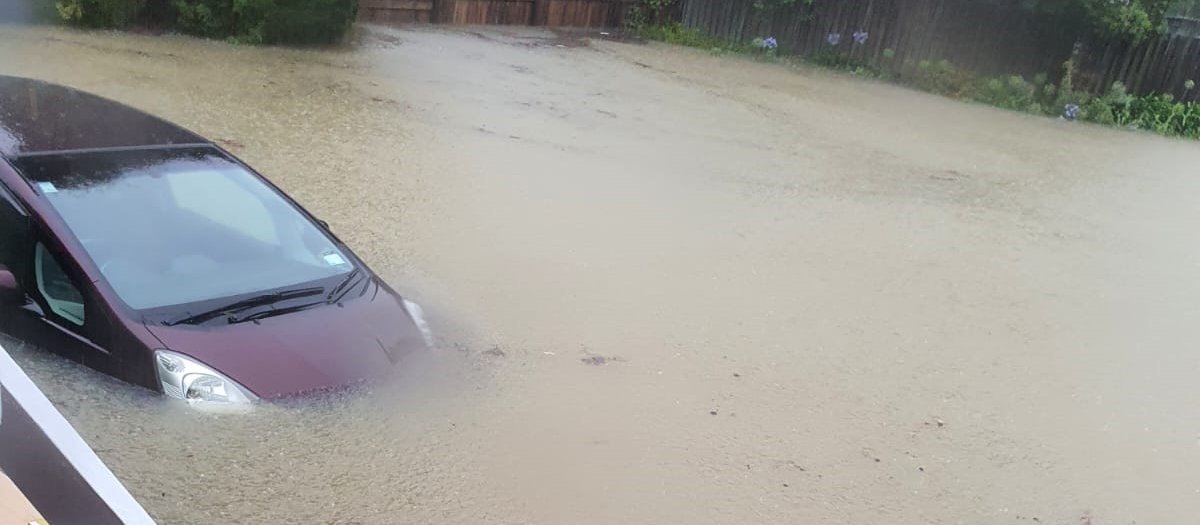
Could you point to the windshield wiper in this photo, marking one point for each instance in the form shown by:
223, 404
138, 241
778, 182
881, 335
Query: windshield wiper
343, 287
233, 319
251, 302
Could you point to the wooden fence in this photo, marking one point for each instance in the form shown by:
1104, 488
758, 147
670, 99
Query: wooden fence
991, 38
553, 13
1161, 65
988, 38
393, 12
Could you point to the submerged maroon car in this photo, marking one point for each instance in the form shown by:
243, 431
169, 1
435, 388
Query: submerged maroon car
142, 250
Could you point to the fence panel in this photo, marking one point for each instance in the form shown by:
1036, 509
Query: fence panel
988, 38
586, 13
395, 11
1161, 65
991, 38
553, 13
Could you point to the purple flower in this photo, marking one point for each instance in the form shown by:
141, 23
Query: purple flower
860, 37
833, 39
1071, 112
770, 43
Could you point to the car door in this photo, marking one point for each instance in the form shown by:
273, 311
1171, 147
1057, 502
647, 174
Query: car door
65, 304
14, 254
55, 315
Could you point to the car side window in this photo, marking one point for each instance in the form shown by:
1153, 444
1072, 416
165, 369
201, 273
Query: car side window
13, 230
56, 287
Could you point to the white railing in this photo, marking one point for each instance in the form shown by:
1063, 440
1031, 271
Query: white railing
47, 460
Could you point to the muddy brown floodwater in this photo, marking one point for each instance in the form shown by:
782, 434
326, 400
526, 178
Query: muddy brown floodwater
678, 288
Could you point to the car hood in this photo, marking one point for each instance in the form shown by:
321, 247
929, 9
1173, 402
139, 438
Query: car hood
320, 348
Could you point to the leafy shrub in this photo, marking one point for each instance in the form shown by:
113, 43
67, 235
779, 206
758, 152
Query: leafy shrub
942, 77
208, 18
828, 57
1159, 113
249, 21
302, 21
99, 13
647, 13
267, 21
1010, 93
1155, 112
678, 34
1114, 107
1099, 111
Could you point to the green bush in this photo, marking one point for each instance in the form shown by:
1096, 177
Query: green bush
646, 13
1155, 112
306, 21
942, 77
267, 21
829, 57
207, 18
99, 13
1097, 110
676, 33
1010, 93
248, 21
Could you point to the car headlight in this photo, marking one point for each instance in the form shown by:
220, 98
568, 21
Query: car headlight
418, 316
184, 378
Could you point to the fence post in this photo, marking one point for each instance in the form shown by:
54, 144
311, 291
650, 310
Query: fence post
541, 12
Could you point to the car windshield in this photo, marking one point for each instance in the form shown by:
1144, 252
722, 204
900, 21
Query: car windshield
168, 228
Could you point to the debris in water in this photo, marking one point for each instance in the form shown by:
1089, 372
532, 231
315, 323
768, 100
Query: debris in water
231, 144
597, 359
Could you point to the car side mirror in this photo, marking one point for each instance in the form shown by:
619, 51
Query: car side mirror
10, 291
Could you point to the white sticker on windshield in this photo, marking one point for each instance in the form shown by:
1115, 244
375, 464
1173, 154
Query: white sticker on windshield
47, 187
333, 259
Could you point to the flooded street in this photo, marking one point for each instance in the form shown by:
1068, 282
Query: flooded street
677, 288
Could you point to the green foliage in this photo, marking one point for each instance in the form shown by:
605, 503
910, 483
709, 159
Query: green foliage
303, 21
208, 18
759, 44
1155, 112
677, 34
1010, 93
248, 21
99, 13
1158, 113
1132, 20
828, 57
648, 13
942, 77
267, 21
1099, 112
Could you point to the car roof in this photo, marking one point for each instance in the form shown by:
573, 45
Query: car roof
38, 118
